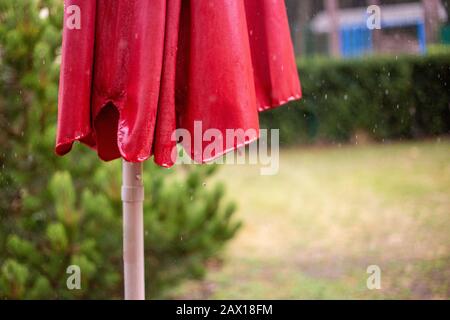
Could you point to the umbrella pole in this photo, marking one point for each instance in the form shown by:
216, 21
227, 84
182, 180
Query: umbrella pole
133, 230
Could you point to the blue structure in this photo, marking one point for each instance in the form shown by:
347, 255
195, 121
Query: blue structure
357, 40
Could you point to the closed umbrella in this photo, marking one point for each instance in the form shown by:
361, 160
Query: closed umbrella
134, 71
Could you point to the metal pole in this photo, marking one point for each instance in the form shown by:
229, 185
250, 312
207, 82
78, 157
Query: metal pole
133, 230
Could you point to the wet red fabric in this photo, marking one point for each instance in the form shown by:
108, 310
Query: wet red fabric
134, 71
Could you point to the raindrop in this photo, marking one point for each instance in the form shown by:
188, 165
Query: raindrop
44, 13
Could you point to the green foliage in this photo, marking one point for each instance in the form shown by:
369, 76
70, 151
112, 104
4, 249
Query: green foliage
55, 212
385, 97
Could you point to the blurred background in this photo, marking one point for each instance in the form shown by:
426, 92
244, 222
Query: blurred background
364, 173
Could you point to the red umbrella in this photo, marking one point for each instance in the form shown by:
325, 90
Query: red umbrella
134, 71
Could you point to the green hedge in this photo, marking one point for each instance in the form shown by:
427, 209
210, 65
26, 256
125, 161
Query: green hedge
385, 97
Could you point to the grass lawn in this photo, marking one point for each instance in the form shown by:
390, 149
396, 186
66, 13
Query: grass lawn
311, 231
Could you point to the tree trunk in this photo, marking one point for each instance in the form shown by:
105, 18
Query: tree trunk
431, 9
304, 15
376, 34
332, 9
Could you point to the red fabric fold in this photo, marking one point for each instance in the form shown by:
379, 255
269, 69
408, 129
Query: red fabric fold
74, 97
135, 71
